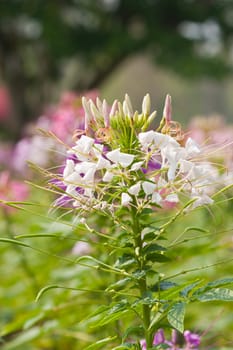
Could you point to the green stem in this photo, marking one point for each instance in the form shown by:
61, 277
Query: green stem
146, 310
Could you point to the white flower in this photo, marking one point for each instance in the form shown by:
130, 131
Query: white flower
201, 199
155, 140
171, 155
125, 199
83, 147
156, 198
102, 163
124, 159
69, 168
134, 190
148, 187
172, 197
86, 171
192, 147
136, 166
108, 176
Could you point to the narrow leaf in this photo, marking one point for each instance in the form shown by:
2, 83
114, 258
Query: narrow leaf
14, 241
99, 344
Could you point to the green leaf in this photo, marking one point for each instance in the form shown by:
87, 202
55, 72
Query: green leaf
160, 347
30, 334
194, 228
125, 346
125, 261
112, 313
221, 294
173, 292
176, 316
14, 241
100, 343
33, 320
153, 247
132, 330
163, 285
156, 257
221, 282
190, 287
119, 284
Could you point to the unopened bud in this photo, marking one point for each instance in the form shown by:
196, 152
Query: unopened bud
105, 113
146, 104
167, 111
95, 111
87, 110
113, 109
128, 105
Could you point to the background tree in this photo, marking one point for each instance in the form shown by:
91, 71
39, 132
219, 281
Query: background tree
40, 38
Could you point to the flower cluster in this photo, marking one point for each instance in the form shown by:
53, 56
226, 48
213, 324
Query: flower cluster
191, 340
116, 161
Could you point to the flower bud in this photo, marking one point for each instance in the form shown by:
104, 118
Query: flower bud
167, 111
146, 105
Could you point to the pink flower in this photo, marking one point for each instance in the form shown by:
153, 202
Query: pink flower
5, 103
81, 248
12, 190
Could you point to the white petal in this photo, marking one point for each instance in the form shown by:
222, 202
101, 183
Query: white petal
125, 199
73, 178
108, 176
146, 138
136, 166
192, 147
69, 168
173, 198
114, 155
102, 163
124, 159
134, 190
156, 198
84, 144
148, 187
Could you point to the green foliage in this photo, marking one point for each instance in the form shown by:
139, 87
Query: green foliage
68, 287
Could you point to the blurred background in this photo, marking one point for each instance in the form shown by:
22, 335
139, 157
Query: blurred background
181, 47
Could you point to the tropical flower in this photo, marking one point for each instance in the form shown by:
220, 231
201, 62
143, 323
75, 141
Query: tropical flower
116, 161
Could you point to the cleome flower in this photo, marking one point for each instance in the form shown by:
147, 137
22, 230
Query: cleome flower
116, 161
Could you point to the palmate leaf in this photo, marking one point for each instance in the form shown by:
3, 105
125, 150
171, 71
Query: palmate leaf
216, 294
176, 316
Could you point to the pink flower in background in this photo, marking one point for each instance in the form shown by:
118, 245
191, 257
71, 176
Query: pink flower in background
217, 136
12, 190
81, 248
5, 103
62, 120
5, 154
192, 341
